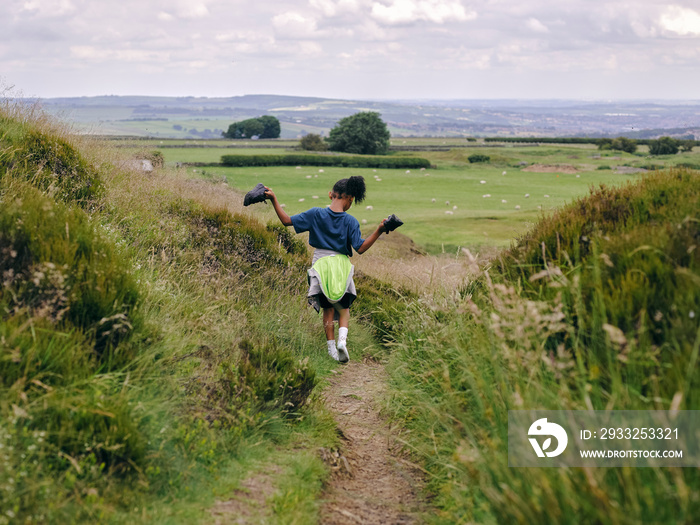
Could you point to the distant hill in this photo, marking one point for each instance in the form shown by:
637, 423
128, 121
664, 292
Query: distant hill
203, 117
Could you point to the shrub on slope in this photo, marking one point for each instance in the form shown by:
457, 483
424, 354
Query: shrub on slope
33, 148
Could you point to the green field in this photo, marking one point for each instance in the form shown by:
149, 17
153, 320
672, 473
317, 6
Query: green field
481, 216
477, 220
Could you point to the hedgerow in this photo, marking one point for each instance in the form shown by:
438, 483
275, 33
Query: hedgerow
344, 161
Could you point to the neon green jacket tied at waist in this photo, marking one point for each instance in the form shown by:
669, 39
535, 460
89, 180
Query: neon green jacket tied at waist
332, 275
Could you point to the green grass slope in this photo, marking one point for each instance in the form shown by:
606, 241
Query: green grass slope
595, 308
155, 344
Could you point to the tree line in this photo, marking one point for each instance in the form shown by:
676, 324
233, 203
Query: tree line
365, 133
660, 146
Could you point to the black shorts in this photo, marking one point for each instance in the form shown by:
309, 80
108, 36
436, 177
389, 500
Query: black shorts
345, 301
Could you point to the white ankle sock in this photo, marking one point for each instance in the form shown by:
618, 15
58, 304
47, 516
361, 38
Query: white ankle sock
342, 334
332, 350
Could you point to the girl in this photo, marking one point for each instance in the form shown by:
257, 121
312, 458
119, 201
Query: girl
333, 233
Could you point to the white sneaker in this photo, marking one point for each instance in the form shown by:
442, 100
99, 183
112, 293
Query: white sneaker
333, 352
343, 355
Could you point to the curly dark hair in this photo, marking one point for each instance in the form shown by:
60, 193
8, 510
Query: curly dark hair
352, 187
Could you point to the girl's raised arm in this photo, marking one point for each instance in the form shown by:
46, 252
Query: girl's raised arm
281, 214
369, 241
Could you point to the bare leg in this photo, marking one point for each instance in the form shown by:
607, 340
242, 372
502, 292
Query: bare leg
344, 318
328, 323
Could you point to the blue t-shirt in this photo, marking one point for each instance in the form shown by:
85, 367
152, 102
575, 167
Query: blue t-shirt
329, 230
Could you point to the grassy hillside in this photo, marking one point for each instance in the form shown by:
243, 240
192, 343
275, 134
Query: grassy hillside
155, 345
595, 308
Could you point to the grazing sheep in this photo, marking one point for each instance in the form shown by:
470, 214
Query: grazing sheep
364, 221
527, 195
408, 171
308, 176
454, 207
447, 203
503, 201
503, 173
378, 179
517, 206
433, 200
546, 196
448, 212
283, 205
482, 181
298, 167
320, 171
369, 208
302, 199
314, 196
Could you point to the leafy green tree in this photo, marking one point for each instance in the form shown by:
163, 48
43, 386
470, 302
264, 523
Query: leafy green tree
265, 127
687, 146
664, 146
619, 144
271, 127
253, 128
313, 142
363, 133
604, 144
624, 144
235, 131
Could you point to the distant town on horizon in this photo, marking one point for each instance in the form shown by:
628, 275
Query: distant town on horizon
207, 117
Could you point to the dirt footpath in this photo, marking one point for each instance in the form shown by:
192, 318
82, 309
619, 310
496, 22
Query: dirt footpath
373, 483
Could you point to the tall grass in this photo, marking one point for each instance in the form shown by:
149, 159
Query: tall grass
596, 308
149, 331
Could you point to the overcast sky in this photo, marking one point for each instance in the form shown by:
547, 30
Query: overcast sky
368, 49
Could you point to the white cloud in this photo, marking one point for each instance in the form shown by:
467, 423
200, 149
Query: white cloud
243, 36
189, 9
310, 49
97, 54
331, 8
409, 11
293, 25
537, 26
681, 20
49, 8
